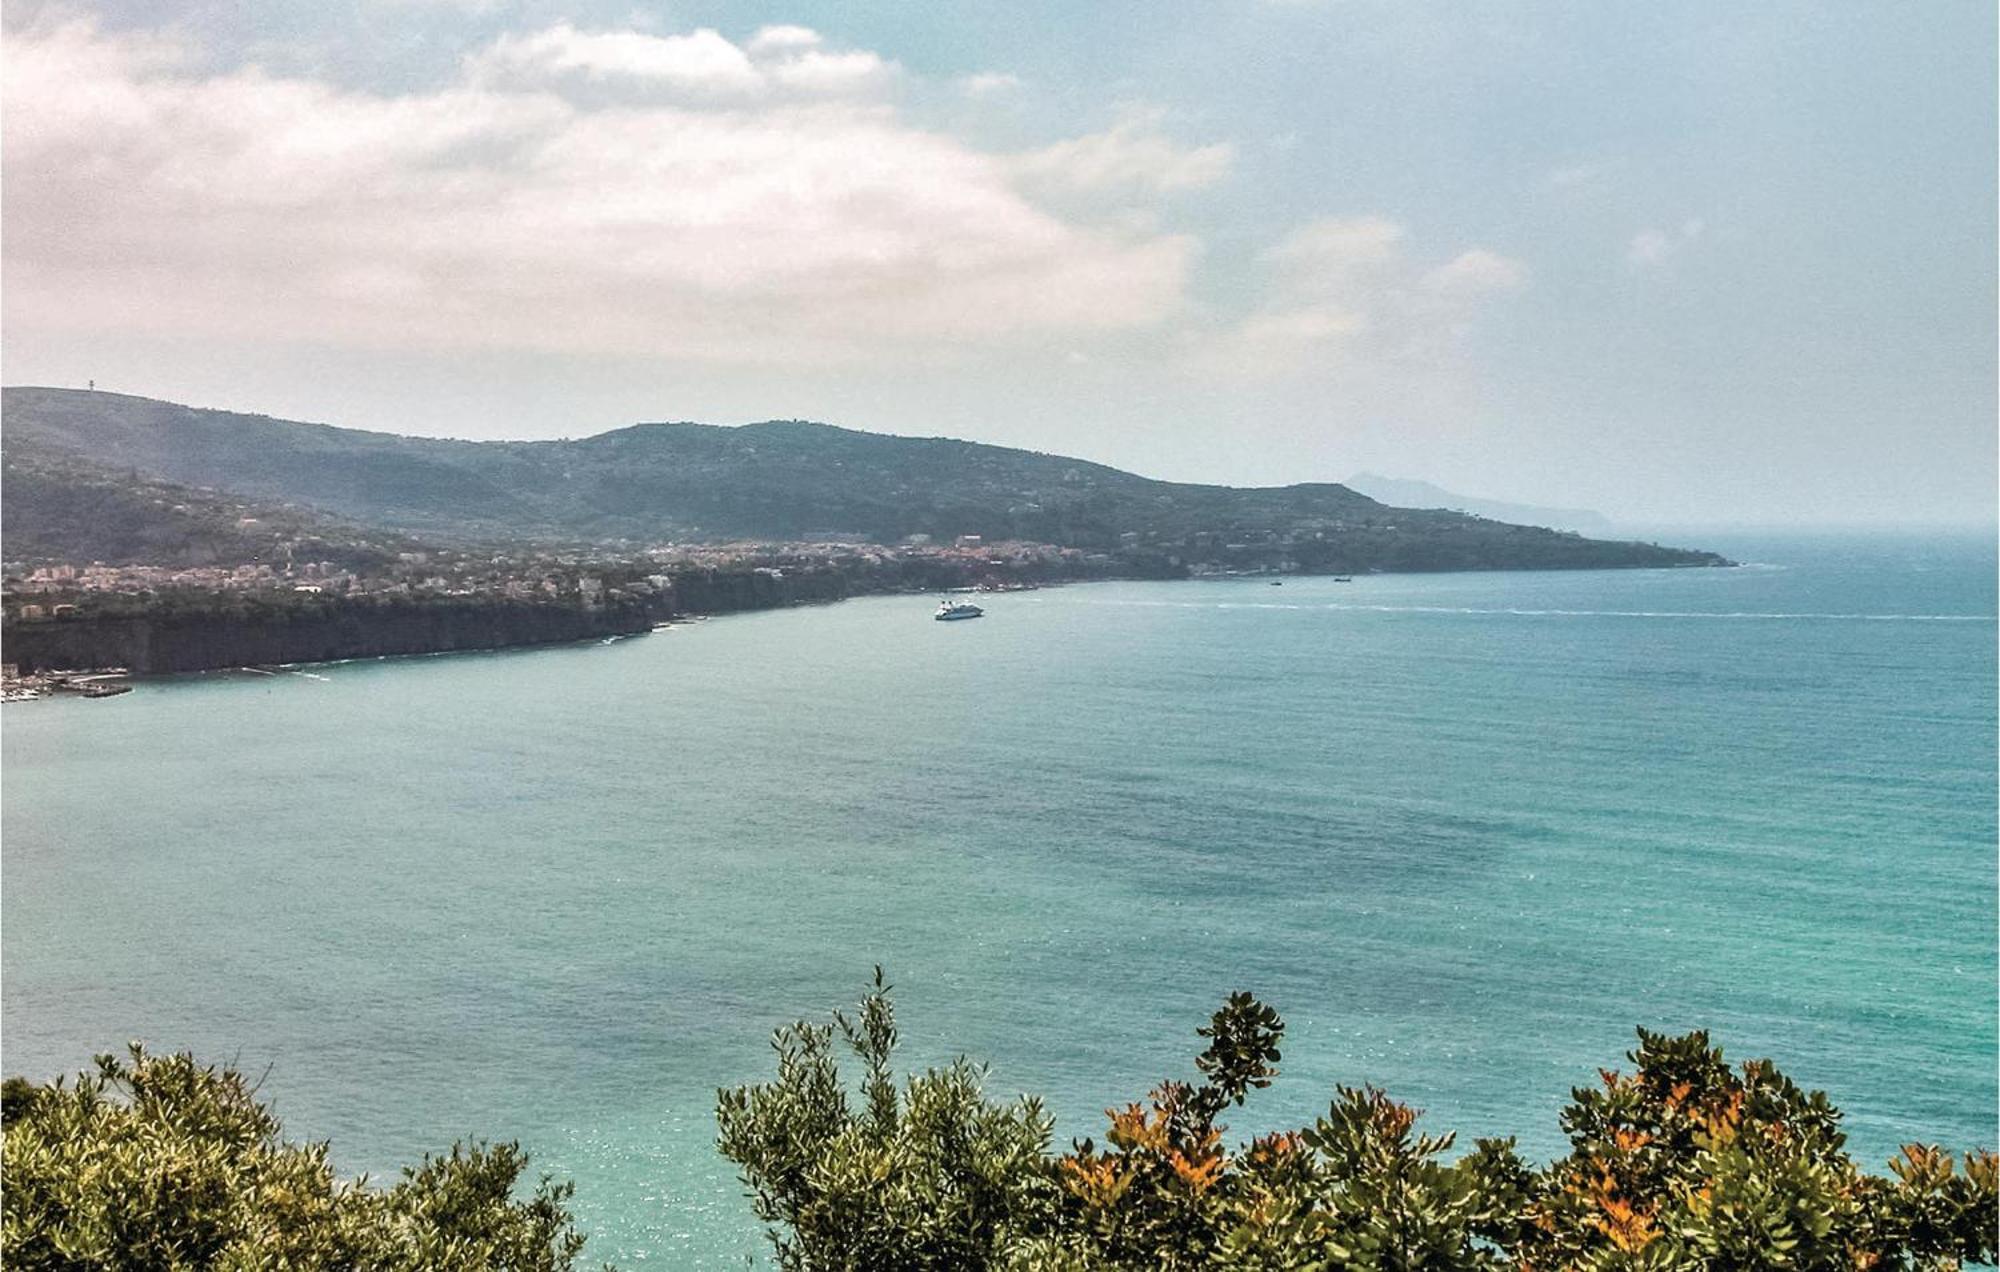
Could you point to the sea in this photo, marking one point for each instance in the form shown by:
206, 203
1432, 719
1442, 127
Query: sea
1465, 832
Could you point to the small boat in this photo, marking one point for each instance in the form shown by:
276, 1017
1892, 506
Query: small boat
1343, 578
1277, 582
952, 611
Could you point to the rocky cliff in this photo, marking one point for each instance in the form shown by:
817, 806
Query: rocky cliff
244, 636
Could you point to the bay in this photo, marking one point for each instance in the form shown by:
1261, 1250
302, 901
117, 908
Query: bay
1464, 831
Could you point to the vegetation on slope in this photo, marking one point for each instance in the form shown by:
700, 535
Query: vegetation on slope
1682, 1163
776, 480
59, 509
158, 1162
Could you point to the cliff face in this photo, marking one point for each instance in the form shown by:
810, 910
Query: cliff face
224, 630
731, 591
208, 640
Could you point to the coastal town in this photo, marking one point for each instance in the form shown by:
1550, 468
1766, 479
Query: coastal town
39, 591
61, 619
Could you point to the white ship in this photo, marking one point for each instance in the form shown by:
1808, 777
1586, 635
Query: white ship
951, 611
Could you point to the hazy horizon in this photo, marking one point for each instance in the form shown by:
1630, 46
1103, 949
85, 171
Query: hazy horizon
1697, 267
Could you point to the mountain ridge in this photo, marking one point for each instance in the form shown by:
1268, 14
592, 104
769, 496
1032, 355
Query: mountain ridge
775, 480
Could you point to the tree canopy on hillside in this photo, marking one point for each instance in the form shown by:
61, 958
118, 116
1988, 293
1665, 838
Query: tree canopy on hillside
779, 479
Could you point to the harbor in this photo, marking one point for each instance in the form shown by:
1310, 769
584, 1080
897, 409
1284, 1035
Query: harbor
107, 682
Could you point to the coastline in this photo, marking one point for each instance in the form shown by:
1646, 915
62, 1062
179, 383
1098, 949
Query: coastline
154, 646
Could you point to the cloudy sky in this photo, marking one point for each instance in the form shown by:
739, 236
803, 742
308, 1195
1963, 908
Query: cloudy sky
1681, 262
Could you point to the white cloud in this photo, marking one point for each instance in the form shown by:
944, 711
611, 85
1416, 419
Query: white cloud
702, 61
1591, 176
1287, 339
832, 73
471, 8
518, 209
1133, 156
1475, 273
701, 66
1337, 248
989, 84
782, 39
1653, 247
1343, 295
1649, 247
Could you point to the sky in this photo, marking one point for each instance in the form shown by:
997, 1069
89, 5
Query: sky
1691, 262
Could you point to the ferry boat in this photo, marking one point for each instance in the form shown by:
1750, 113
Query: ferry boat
952, 611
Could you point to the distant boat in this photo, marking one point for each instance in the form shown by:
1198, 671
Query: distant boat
1343, 578
1277, 582
952, 611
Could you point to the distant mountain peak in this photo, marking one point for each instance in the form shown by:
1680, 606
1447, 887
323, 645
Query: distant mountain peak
1412, 493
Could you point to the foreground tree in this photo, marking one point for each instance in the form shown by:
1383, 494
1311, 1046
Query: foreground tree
1686, 1163
929, 1174
159, 1162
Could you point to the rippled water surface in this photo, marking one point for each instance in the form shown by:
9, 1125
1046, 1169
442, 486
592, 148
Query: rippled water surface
1464, 831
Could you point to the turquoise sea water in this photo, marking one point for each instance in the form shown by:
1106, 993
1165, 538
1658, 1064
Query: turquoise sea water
1463, 831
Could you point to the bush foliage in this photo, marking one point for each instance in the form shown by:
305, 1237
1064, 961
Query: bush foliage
159, 1162
1684, 1162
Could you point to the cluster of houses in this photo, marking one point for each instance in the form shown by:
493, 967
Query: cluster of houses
48, 592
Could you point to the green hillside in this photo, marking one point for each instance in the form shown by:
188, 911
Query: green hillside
63, 509
775, 480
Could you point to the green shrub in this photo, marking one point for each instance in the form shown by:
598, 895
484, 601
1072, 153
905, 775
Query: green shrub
1685, 1163
928, 1175
158, 1162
